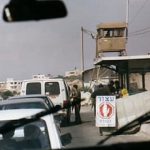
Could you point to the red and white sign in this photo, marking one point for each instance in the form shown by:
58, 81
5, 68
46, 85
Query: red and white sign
105, 111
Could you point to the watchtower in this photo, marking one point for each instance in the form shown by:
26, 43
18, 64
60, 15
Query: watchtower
111, 37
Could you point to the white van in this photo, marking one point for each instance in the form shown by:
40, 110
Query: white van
56, 88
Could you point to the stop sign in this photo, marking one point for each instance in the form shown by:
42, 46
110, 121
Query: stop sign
106, 110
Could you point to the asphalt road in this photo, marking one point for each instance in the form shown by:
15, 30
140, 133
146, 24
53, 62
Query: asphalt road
87, 134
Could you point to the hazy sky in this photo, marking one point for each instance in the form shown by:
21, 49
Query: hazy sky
54, 46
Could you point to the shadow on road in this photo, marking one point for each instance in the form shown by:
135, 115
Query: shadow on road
64, 124
86, 117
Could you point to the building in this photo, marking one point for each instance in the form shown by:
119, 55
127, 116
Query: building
2, 86
11, 85
97, 75
42, 76
15, 85
75, 72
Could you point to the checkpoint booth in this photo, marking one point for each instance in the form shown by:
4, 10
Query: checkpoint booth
124, 66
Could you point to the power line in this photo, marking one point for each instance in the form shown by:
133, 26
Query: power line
140, 32
138, 12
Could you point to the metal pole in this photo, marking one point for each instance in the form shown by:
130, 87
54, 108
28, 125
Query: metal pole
82, 57
127, 12
127, 17
96, 55
127, 23
143, 81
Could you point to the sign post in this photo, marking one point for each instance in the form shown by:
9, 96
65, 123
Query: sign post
106, 111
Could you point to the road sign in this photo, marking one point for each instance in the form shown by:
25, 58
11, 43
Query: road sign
105, 111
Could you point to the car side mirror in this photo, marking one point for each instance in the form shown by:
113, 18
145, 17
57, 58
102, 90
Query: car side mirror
66, 139
57, 107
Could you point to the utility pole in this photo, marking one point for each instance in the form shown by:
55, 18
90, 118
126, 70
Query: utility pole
82, 57
127, 12
127, 22
82, 50
127, 16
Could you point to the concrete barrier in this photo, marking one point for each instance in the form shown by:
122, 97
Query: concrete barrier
132, 107
86, 96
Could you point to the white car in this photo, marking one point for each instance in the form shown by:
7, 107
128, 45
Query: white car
40, 134
24, 104
56, 88
28, 101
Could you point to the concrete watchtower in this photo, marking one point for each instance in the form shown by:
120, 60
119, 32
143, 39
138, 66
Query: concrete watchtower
111, 37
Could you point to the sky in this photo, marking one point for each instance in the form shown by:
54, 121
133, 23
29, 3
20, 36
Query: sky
54, 46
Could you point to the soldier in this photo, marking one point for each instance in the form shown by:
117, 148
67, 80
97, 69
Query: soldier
76, 103
100, 91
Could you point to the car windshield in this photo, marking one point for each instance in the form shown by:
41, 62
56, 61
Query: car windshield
101, 51
39, 99
23, 105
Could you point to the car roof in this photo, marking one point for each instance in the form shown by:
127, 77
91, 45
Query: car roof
36, 80
18, 113
29, 96
13, 101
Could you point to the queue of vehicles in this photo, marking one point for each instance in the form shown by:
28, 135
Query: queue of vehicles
31, 101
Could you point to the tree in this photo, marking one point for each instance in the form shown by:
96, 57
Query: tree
6, 94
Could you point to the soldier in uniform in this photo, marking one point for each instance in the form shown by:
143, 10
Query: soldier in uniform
76, 103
